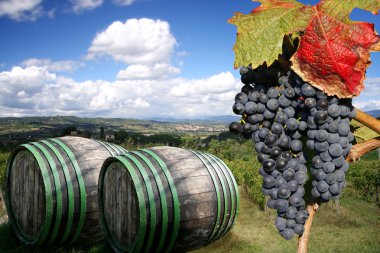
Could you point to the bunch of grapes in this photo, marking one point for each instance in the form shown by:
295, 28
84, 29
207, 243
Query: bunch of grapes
287, 118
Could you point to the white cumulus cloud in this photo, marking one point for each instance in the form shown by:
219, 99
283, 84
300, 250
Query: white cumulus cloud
21, 10
156, 71
84, 5
369, 98
123, 2
54, 66
136, 41
37, 91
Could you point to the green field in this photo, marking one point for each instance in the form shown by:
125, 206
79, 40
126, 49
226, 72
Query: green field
354, 228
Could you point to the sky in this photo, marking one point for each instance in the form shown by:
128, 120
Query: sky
129, 58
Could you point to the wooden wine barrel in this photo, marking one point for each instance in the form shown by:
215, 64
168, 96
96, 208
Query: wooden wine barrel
52, 190
166, 199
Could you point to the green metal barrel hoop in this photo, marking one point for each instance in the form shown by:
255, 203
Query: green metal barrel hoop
224, 194
176, 205
230, 186
236, 189
70, 192
217, 191
82, 189
109, 149
42, 235
58, 190
164, 205
152, 204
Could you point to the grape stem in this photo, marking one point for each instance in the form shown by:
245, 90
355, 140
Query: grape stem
356, 152
304, 238
362, 148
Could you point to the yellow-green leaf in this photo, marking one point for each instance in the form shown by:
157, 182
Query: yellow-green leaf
362, 133
260, 33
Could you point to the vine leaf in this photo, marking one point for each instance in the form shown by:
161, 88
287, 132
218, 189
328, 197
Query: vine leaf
260, 33
362, 133
334, 51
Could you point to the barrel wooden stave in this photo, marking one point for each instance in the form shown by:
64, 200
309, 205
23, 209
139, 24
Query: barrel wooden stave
67, 161
201, 219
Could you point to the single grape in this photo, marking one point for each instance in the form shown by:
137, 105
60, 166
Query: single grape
321, 135
235, 127
271, 140
326, 196
268, 115
289, 92
340, 176
322, 104
328, 167
296, 145
260, 108
273, 104
292, 124
284, 142
310, 103
307, 90
283, 192
302, 217
321, 146
320, 117
333, 127
287, 233
281, 164
344, 129
315, 193
281, 205
333, 138
335, 150
241, 98
319, 175
293, 185
290, 112
299, 229
317, 162
334, 189
273, 193
300, 177
275, 152
280, 223
290, 223
330, 178
250, 107
322, 186
271, 203
238, 108
325, 156
284, 101
254, 96
333, 110
268, 182
263, 132
273, 93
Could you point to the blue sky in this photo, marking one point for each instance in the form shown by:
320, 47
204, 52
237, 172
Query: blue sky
128, 58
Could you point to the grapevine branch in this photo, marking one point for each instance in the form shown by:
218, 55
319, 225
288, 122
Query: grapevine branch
356, 151
362, 148
368, 120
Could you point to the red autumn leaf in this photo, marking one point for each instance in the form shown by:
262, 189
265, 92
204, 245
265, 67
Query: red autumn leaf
334, 54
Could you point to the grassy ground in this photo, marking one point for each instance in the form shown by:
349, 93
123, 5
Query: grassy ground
355, 228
